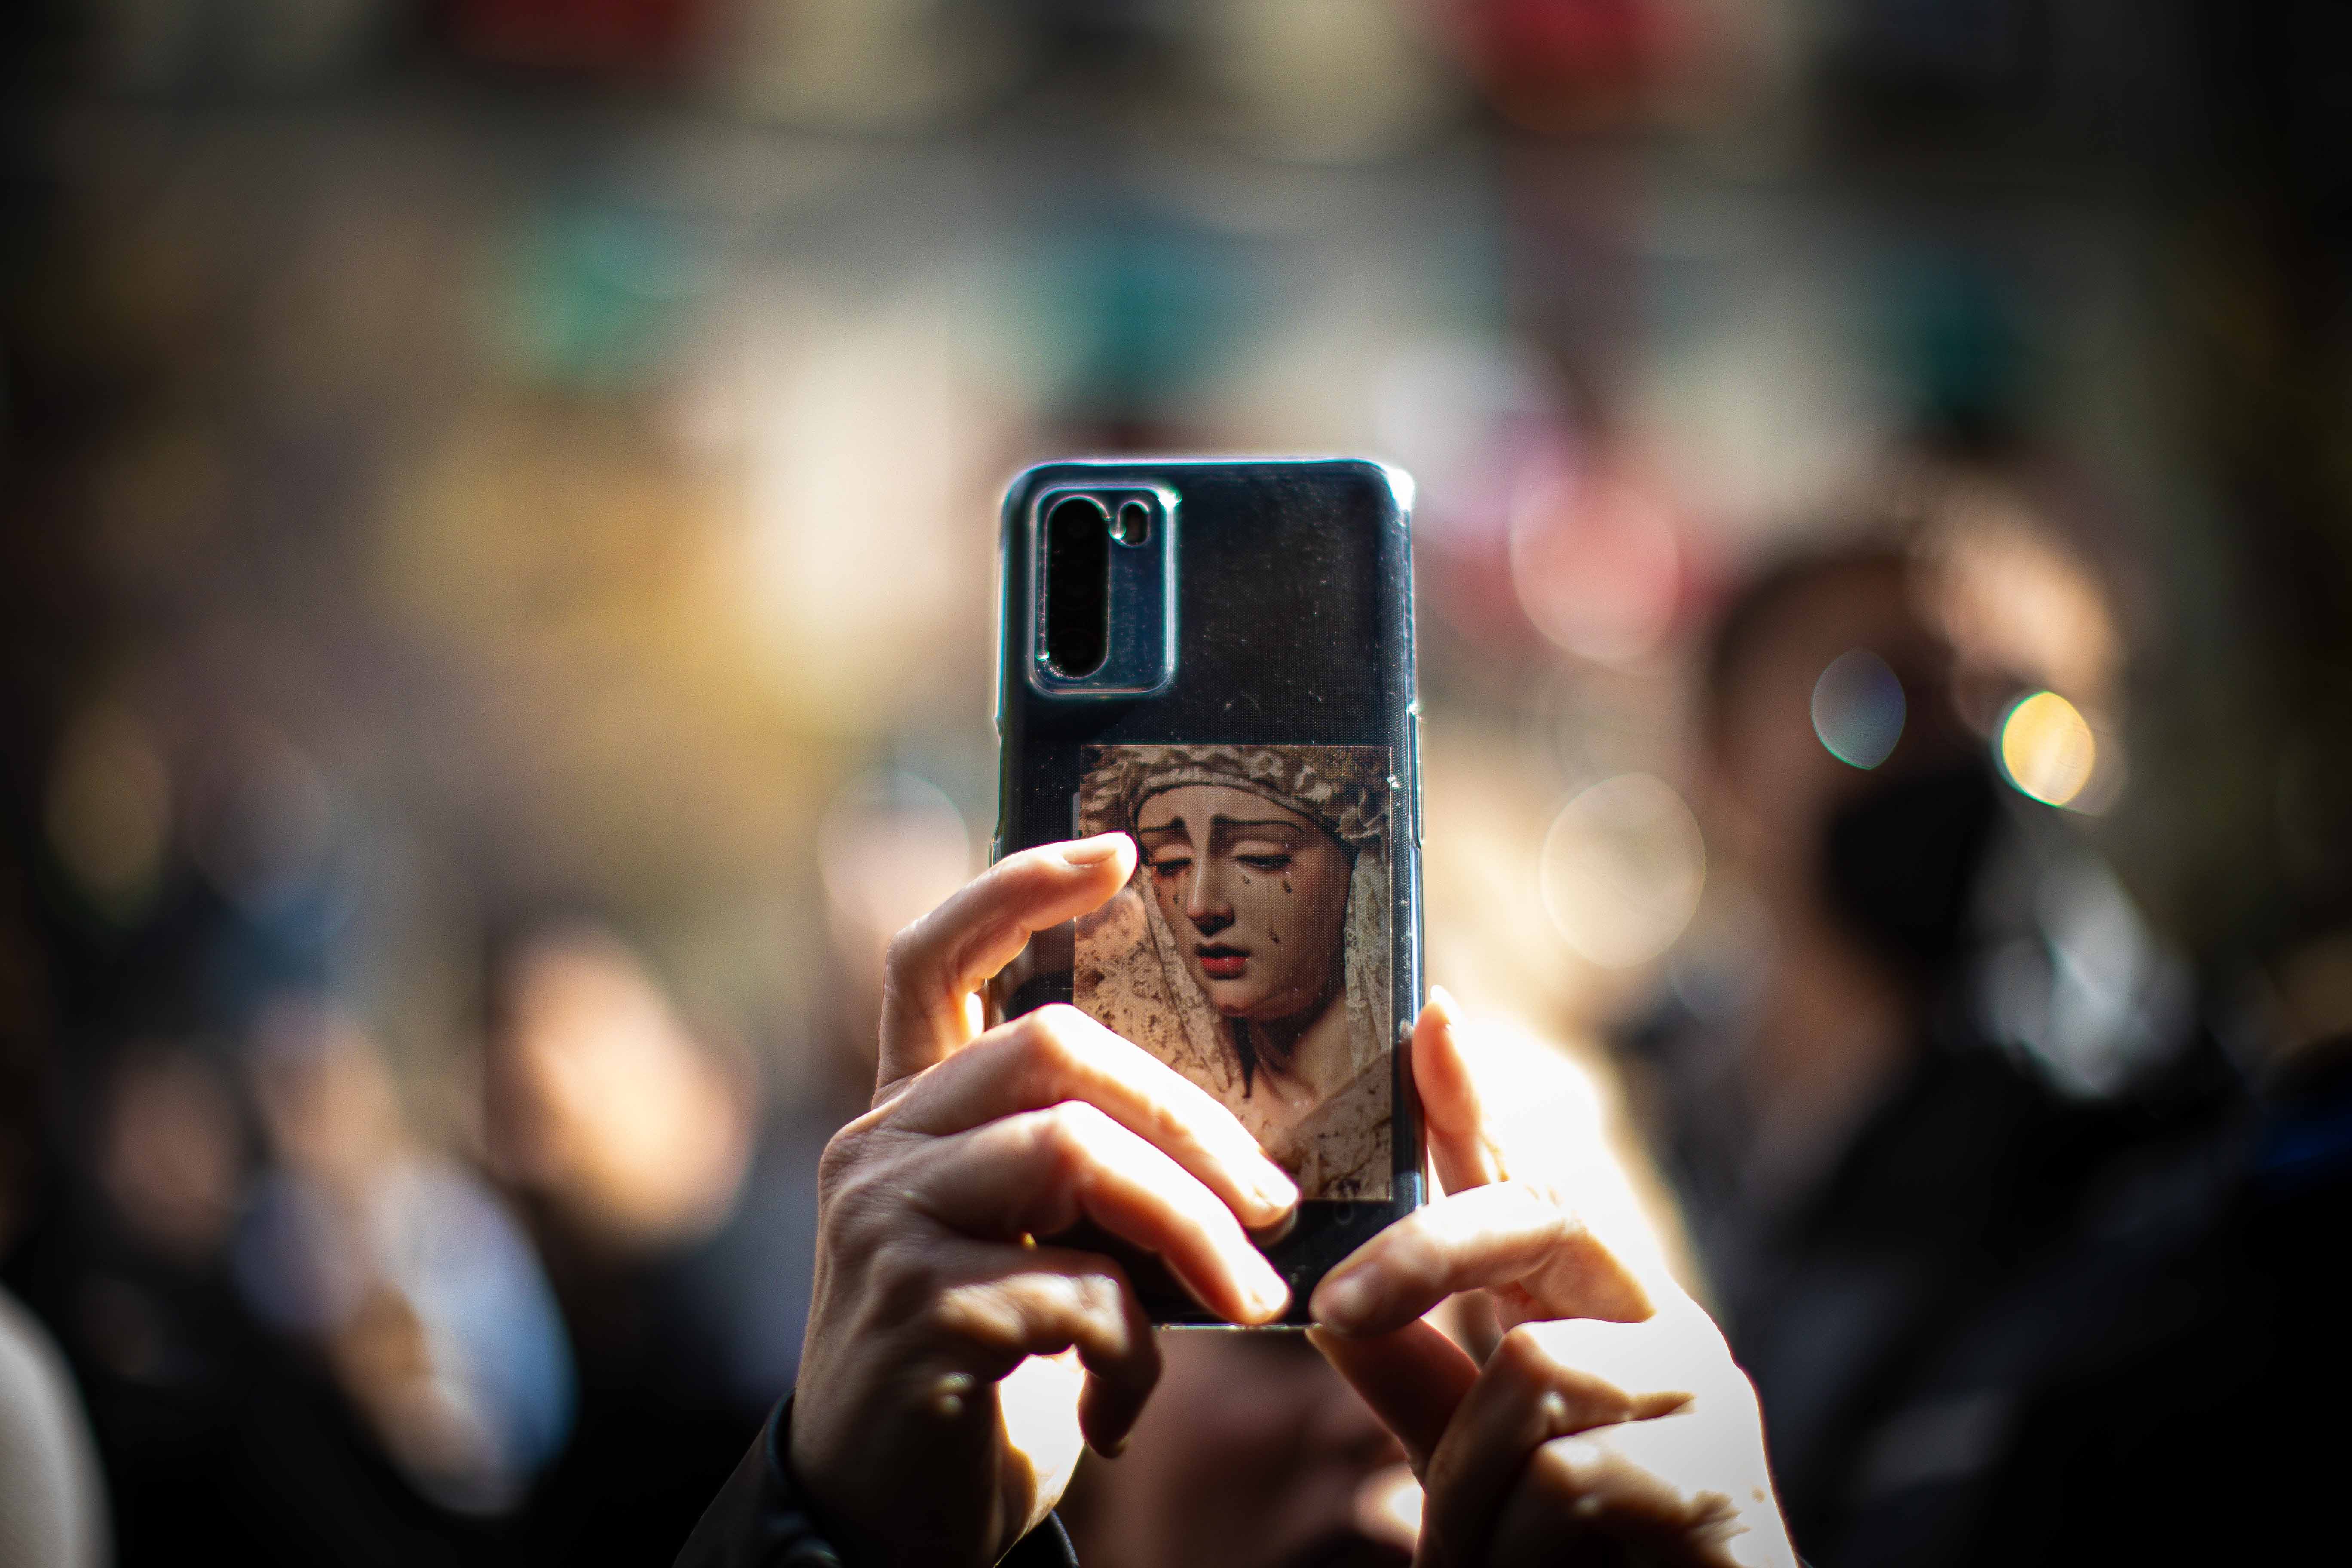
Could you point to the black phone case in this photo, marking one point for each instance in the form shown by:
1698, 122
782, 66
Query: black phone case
1292, 626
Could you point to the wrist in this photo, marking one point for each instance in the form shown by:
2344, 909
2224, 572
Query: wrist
798, 1533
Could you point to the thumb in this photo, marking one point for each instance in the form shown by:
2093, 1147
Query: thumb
1413, 1379
1461, 1144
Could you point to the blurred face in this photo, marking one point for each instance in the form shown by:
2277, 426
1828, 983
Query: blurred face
1256, 895
1252, 1454
1776, 782
605, 1101
168, 1155
326, 1099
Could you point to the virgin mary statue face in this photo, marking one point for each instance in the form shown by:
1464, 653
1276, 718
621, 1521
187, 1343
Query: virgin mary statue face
1255, 894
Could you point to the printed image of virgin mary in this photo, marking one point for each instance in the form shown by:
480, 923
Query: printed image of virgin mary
1251, 952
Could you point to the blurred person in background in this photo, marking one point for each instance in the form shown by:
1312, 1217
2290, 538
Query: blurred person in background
408, 1279
1877, 1175
302, 1339
675, 1222
2214, 1279
126, 1257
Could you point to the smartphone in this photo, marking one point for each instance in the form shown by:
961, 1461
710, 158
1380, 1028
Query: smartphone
1216, 658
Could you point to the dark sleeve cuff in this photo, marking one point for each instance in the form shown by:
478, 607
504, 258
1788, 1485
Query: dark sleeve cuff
758, 1520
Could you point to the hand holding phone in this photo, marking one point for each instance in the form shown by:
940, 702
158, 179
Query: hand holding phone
927, 1421
956, 1365
1609, 1423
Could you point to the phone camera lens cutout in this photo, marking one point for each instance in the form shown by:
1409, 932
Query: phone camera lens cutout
1077, 586
1133, 525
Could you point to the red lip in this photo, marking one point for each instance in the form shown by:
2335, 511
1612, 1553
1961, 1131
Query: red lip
1223, 963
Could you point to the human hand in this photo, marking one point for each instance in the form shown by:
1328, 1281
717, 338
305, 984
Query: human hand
954, 1367
1610, 1422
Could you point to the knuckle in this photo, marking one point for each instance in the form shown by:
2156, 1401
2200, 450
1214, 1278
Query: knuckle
1074, 1128
976, 1316
844, 1156
1048, 1048
1564, 1470
1414, 1256
855, 1204
1104, 1308
1100, 1297
906, 951
1061, 1300
904, 1280
1054, 1143
867, 1205
1521, 1356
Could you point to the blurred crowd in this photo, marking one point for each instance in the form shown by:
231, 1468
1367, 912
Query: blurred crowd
495, 636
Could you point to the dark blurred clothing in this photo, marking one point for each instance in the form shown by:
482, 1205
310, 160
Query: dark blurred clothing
2197, 1418
681, 1356
1896, 1309
1946, 1193
219, 1439
759, 1517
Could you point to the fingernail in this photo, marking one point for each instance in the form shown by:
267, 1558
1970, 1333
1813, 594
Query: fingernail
1268, 1294
1112, 1449
1277, 1189
1093, 851
1341, 1302
1443, 999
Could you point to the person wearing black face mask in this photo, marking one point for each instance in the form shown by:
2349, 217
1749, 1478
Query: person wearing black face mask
1866, 1178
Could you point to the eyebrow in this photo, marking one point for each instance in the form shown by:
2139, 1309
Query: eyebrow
1176, 823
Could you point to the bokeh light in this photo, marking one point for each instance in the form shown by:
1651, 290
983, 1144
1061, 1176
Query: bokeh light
1622, 867
109, 809
1858, 708
2047, 748
1596, 565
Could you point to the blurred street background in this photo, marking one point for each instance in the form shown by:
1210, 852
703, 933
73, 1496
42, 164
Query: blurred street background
496, 598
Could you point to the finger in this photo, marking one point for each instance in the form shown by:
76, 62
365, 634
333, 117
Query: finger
942, 959
1058, 1053
1413, 1378
1540, 1258
1014, 1303
1039, 1173
1528, 1393
1460, 1143
1635, 1484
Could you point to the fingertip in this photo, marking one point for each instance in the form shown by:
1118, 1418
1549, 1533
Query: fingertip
1269, 1297
1438, 1035
1438, 1065
1280, 1195
1115, 848
1342, 1303
1107, 1416
1258, 1295
1269, 1233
